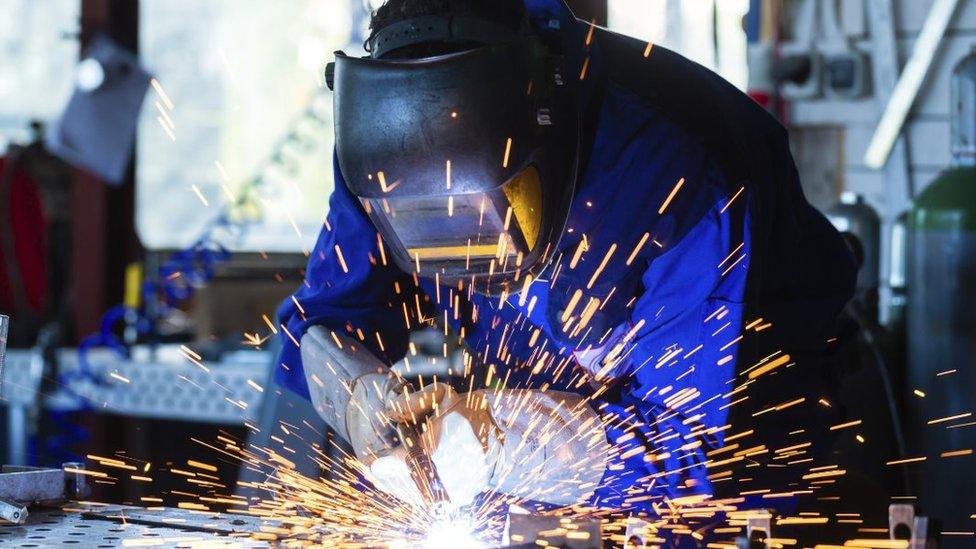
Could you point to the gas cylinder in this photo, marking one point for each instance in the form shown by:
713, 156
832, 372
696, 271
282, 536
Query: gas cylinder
860, 226
941, 391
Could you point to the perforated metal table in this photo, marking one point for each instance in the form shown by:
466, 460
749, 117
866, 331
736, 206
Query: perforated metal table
80, 525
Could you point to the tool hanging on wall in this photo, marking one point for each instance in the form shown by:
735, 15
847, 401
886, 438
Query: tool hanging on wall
97, 130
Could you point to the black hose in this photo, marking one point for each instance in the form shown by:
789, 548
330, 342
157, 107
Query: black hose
890, 396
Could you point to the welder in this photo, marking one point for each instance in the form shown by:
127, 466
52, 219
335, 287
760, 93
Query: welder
616, 234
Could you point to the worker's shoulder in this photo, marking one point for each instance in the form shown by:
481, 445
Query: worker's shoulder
692, 96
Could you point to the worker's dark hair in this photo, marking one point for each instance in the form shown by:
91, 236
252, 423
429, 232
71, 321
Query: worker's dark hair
504, 12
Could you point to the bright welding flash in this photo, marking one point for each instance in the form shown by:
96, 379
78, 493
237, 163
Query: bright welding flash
451, 532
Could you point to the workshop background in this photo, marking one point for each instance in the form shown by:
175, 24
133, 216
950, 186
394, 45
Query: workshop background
166, 166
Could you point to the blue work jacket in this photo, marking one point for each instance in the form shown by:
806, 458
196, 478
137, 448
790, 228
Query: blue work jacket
688, 226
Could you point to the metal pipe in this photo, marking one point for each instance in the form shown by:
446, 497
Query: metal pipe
4, 330
16, 414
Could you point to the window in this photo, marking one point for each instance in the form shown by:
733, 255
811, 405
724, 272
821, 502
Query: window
238, 103
708, 32
38, 53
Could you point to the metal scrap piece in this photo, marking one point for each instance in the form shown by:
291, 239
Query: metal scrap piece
226, 525
31, 484
11, 511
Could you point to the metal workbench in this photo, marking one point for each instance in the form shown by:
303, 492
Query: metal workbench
89, 525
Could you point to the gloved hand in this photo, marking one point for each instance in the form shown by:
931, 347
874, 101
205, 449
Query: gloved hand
544, 446
350, 389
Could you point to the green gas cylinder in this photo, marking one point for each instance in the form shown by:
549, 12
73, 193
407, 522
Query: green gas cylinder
941, 318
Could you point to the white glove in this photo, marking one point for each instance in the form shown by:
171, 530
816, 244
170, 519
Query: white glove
544, 446
350, 389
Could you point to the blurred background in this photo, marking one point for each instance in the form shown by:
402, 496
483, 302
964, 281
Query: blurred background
165, 168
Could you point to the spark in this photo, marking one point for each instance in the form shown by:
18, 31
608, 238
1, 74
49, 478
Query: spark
603, 264
166, 128
85, 472
254, 340
294, 225
728, 257
731, 200
222, 170
906, 460
949, 418
769, 366
165, 116
199, 194
734, 263
637, 248
341, 259
162, 94
845, 425
674, 191
200, 465
119, 377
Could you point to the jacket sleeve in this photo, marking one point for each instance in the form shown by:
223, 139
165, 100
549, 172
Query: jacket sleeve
677, 355
350, 285
716, 381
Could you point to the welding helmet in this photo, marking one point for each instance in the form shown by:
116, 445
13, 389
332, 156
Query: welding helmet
466, 162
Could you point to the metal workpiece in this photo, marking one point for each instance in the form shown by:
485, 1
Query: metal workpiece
759, 530
24, 486
229, 525
75, 480
29, 485
904, 524
639, 534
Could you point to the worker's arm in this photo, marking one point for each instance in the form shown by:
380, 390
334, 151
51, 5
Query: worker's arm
350, 294
695, 339
675, 359
348, 285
